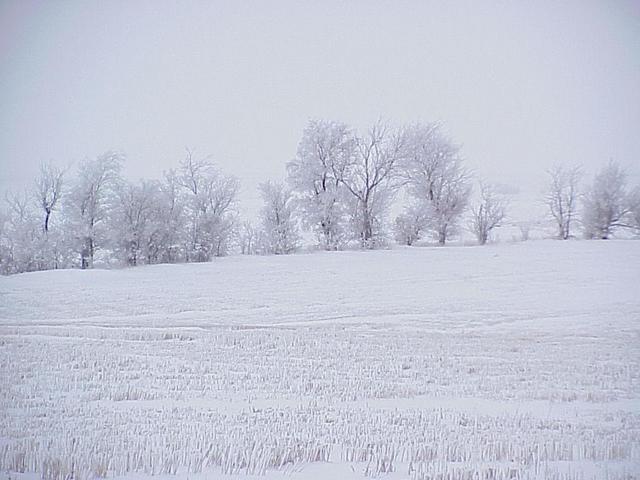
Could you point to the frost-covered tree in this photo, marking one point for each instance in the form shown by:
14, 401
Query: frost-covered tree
6, 260
22, 235
134, 218
27, 240
279, 226
369, 178
91, 202
606, 204
410, 224
435, 176
249, 238
562, 197
524, 227
487, 214
634, 209
210, 202
48, 191
167, 230
315, 176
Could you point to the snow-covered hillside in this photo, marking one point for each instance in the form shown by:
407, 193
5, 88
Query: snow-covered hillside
506, 361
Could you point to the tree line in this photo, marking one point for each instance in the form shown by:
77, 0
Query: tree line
340, 186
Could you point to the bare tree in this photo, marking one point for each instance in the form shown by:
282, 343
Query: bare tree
281, 236
90, 203
562, 197
435, 175
606, 203
487, 214
315, 175
48, 190
369, 176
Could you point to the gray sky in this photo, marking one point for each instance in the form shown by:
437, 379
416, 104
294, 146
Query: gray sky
521, 85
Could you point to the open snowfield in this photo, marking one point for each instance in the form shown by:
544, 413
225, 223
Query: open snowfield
506, 361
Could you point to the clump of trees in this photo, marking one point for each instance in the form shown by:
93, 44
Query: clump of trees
345, 182
69, 219
342, 181
607, 204
340, 187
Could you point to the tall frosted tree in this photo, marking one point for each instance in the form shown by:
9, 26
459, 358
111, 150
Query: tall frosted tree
167, 232
48, 191
135, 215
606, 204
634, 209
369, 178
488, 213
315, 176
90, 203
435, 175
5, 243
210, 199
22, 234
562, 197
280, 235
249, 238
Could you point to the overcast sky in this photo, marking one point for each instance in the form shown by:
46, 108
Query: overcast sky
522, 85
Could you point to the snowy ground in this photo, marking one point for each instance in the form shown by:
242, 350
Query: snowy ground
508, 361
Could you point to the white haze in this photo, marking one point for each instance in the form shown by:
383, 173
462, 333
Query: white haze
521, 86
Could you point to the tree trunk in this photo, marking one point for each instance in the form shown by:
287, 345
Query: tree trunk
326, 232
367, 229
133, 253
86, 253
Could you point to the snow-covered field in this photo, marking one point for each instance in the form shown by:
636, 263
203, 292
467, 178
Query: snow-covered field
508, 361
